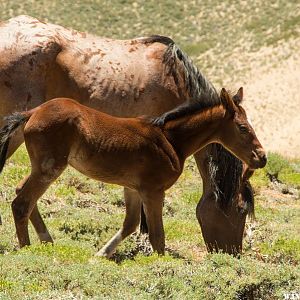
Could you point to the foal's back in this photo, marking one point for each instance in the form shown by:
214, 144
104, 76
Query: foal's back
126, 151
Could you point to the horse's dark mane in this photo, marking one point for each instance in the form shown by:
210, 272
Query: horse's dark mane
224, 186
158, 39
225, 171
200, 92
182, 110
198, 87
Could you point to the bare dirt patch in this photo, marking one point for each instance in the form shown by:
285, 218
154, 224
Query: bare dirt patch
273, 98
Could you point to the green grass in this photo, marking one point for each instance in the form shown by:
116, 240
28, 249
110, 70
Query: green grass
86, 214
286, 248
218, 277
285, 170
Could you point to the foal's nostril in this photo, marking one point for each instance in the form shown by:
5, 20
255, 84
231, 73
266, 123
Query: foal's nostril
264, 158
261, 156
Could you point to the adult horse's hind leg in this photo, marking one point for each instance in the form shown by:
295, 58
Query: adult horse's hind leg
132, 219
36, 218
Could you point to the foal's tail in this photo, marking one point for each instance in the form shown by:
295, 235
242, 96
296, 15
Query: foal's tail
12, 123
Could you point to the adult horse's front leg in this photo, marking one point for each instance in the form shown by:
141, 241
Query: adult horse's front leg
153, 206
132, 219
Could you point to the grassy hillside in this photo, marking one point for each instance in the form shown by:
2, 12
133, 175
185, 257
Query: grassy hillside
210, 31
82, 214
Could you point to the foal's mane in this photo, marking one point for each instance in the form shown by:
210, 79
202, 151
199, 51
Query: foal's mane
200, 92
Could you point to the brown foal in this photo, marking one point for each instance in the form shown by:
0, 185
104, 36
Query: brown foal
123, 151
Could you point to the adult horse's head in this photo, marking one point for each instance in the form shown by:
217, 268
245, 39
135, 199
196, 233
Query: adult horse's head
238, 135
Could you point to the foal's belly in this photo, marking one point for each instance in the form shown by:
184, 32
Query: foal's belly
109, 168
133, 169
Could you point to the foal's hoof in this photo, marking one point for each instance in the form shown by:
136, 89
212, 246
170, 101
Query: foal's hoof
104, 253
101, 254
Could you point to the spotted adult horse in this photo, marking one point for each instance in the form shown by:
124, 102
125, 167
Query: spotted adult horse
40, 61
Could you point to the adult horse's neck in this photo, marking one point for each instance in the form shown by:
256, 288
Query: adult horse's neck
188, 134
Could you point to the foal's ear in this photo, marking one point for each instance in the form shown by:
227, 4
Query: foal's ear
227, 101
238, 97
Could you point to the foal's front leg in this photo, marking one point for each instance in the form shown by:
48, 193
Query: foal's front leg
132, 219
153, 205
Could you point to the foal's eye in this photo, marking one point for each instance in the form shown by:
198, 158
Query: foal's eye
243, 129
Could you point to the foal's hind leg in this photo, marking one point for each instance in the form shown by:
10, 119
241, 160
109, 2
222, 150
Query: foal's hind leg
24, 204
39, 226
132, 219
36, 218
42, 175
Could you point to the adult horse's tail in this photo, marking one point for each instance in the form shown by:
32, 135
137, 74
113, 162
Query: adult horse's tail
12, 123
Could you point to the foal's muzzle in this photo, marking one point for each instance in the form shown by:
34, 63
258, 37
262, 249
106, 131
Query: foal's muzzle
259, 158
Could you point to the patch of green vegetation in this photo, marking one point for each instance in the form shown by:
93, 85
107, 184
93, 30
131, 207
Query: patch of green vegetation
191, 197
218, 276
63, 253
266, 213
181, 230
276, 164
283, 247
259, 179
278, 168
263, 27
147, 260
63, 190
199, 48
6, 285
85, 229
291, 178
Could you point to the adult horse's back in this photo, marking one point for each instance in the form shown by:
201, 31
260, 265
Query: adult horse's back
41, 61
